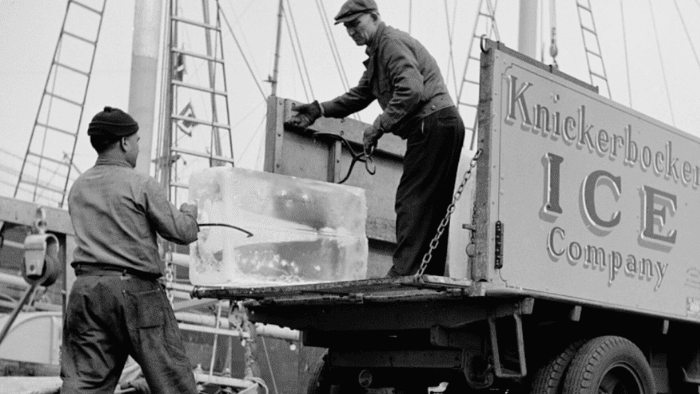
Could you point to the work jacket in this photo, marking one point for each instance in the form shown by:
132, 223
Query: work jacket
116, 213
402, 76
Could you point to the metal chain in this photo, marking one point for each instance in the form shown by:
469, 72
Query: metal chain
446, 220
169, 280
169, 273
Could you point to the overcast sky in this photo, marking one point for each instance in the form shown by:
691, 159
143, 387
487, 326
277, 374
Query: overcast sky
29, 30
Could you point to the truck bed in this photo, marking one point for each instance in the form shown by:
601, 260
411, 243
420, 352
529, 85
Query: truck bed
361, 308
405, 288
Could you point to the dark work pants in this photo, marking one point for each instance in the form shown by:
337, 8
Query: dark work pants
109, 317
425, 190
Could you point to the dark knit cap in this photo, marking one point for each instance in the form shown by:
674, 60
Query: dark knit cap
352, 9
112, 122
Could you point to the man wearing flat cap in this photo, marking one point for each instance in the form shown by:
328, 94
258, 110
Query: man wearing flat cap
406, 81
116, 306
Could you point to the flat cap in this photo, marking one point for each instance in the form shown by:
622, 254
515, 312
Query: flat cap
352, 9
113, 122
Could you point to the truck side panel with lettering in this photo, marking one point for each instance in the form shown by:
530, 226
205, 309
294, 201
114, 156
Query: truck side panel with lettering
596, 201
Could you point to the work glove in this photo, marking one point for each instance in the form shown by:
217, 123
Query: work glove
370, 138
306, 115
189, 209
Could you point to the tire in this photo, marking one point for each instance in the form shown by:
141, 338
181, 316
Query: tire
609, 364
317, 383
549, 379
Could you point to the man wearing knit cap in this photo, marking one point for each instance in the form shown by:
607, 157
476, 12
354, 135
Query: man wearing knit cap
406, 81
116, 306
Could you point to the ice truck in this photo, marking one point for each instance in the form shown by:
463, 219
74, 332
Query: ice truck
574, 263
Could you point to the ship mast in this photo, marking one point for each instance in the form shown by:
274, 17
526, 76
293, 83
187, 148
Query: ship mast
527, 28
275, 70
144, 74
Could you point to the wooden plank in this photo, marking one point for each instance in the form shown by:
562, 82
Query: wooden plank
274, 133
345, 288
482, 267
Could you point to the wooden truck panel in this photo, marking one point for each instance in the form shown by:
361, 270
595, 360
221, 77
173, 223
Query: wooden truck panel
597, 202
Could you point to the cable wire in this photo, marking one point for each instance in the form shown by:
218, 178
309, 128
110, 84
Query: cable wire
493, 26
663, 68
627, 65
245, 59
685, 28
236, 22
294, 51
329, 34
450, 36
250, 141
335, 46
301, 53
269, 366
334, 50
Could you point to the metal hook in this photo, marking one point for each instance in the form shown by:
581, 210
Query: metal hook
482, 44
248, 233
365, 157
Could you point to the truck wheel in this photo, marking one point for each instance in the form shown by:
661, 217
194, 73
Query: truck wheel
318, 383
609, 364
549, 379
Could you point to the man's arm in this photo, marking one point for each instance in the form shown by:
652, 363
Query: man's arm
179, 226
356, 99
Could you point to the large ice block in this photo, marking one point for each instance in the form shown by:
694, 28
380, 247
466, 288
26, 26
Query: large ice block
304, 231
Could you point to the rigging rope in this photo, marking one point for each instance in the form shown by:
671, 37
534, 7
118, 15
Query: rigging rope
296, 56
335, 45
492, 11
250, 141
336, 56
164, 116
410, 15
663, 68
245, 59
627, 65
450, 35
334, 49
269, 366
686, 32
236, 22
57, 56
553, 49
303, 59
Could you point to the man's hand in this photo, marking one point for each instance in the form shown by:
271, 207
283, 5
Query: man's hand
139, 384
306, 115
189, 209
370, 139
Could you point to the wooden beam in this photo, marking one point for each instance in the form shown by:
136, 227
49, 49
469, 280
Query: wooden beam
25, 213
